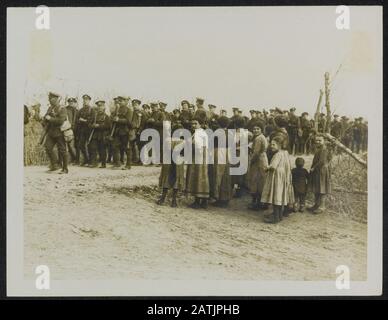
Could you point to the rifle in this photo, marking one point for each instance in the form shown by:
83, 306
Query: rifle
114, 124
92, 133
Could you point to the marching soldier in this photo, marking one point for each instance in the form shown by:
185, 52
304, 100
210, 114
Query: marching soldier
100, 125
134, 133
122, 122
83, 130
72, 111
53, 120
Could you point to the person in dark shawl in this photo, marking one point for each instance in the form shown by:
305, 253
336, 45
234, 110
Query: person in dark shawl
320, 175
219, 172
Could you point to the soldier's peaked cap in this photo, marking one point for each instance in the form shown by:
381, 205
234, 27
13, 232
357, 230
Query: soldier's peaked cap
162, 104
123, 98
86, 96
154, 104
305, 114
235, 109
100, 101
201, 100
212, 106
72, 99
136, 101
184, 102
54, 94
292, 109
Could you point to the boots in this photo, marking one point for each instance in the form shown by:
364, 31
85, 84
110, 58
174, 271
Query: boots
253, 205
316, 202
321, 204
204, 204
275, 217
196, 204
163, 197
173, 201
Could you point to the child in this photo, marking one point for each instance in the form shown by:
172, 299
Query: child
320, 175
278, 186
299, 181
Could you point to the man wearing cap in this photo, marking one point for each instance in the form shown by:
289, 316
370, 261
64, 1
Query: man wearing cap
166, 114
83, 130
293, 128
213, 117
234, 118
53, 120
122, 120
335, 129
306, 127
346, 137
135, 131
322, 123
200, 114
72, 111
185, 116
357, 135
100, 125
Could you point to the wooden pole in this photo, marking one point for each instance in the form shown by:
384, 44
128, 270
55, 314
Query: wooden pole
340, 146
318, 111
327, 102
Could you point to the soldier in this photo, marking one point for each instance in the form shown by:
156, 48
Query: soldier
83, 130
306, 128
322, 123
223, 113
122, 121
346, 134
109, 141
134, 133
162, 108
100, 125
185, 116
213, 117
293, 128
200, 114
72, 111
357, 135
53, 120
235, 117
335, 130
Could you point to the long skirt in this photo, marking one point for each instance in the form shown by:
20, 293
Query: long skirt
257, 174
320, 180
197, 180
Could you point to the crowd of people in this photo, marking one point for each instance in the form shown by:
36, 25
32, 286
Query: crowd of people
92, 136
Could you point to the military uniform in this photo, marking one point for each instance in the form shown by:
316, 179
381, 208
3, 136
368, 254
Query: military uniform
121, 138
293, 128
83, 131
100, 125
54, 136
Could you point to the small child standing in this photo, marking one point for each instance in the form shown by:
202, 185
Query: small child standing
320, 175
300, 182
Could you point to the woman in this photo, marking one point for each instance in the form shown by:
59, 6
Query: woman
278, 189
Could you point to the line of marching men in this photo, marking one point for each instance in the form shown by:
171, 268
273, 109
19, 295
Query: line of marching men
271, 178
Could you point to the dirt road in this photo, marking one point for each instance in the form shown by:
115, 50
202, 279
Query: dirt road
104, 224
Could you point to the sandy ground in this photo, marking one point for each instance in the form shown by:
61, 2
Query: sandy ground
104, 224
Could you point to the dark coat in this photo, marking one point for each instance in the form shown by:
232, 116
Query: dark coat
321, 175
58, 116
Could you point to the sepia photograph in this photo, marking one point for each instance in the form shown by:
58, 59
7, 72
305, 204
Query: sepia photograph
194, 151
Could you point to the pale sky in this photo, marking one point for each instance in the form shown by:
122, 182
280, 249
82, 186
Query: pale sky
250, 57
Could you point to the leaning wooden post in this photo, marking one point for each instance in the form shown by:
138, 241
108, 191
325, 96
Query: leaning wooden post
327, 102
318, 111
